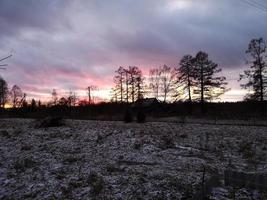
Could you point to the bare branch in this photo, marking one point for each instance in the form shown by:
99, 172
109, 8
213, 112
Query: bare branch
5, 57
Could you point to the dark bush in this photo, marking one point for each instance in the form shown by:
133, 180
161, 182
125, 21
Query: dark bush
22, 164
96, 182
167, 142
128, 117
5, 133
49, 122
141, 116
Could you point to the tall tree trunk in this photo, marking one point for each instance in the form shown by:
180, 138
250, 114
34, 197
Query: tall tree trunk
202, 91
189, 96
165, 96
189, 89
121, 89
127, 88
133, 89
261, 85
157, 92
89, 95
261, 92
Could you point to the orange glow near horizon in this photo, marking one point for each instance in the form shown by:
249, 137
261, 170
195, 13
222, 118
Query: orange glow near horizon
7, 105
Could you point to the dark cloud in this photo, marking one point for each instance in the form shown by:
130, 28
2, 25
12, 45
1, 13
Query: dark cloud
64, 43
16, 15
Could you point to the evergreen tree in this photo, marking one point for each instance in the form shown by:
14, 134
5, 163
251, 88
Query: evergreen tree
257, 74
209, 85
3, 92
33, 104
186, 75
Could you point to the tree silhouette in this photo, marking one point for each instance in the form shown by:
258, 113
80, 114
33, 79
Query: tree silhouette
63, 101
186, 75
126, 72
54, 97
16, 96
167, 80
90, 89
257, 74
39, 104
128, 84
135, 82
33, 104
209, 85
3, 84
139, 85
119, 80
2, 66
154, 81
3, 92
114, 94
24, 103
72, 99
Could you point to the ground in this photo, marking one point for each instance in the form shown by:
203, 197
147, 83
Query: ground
114, 160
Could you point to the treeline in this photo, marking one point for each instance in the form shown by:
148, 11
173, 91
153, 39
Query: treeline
198, 80
15, 97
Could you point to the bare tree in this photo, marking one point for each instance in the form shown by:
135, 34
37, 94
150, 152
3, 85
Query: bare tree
114, 95
63, 101
154, 81
54, 97
2, 66
167, 78
119, 80
135, 80
16, 96
139, 85
90, 89
3, 84
127, 82
72, 99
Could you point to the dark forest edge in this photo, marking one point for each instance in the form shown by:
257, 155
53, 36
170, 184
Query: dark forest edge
178, 111
187, 90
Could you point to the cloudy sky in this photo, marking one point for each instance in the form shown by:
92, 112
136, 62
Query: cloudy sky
70, 44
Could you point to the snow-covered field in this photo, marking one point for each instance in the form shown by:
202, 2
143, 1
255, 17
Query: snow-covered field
114, 160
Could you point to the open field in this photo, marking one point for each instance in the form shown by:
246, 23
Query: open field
114, 160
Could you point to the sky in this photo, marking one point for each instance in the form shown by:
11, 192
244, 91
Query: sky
70, 44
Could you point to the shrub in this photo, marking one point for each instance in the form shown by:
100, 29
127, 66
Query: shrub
141, 117
71, 159
22, 164
113, 168
246, 148
167, 142
96, 182
128, 117
137, 145
49, 122
5, 133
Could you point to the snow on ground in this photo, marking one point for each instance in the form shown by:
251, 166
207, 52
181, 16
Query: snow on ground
114, 160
